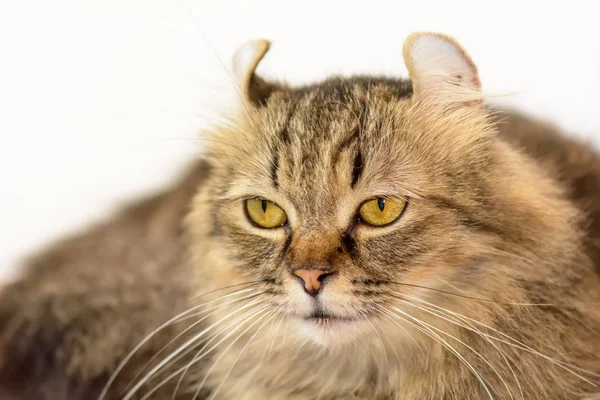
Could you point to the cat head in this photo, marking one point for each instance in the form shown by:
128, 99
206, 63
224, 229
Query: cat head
341, 201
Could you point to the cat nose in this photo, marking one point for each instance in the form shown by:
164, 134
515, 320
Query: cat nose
312, 279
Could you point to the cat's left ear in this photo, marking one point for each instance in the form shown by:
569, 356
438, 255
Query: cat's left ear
245, 61
441, 70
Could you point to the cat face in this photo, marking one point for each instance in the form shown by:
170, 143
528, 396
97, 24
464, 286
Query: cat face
343, 198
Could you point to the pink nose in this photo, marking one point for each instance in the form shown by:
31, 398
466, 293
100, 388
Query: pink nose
312, 279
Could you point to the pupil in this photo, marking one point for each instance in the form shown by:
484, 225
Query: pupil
264, 206
381, 203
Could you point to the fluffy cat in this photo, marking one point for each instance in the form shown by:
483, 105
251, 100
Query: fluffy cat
360, 238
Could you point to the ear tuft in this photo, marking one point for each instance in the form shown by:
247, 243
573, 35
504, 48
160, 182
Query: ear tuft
441, 70
245, 61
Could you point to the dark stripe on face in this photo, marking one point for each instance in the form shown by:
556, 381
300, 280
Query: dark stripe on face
352, 140
285, 135
288, 242
358, 159
349, 244
347, 142
275, 169
357, 169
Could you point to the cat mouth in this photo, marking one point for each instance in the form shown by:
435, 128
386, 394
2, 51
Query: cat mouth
332, 329
321, 317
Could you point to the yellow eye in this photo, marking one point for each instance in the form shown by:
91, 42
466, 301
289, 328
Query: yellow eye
265, 213
381, 211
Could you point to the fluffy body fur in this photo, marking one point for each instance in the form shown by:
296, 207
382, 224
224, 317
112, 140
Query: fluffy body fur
486, 287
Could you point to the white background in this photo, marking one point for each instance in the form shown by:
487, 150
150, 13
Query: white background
97, 96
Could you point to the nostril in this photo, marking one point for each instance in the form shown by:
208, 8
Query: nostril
322, 277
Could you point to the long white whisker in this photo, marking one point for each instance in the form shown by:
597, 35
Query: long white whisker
417, 324
472, 328
201, 353
274, 338
285, 330
214, 395
407, 333
387, 361
390, 342
250, 376
155, 331
294, 357
520, 345
506, 253
180, 349
180, 356
468, 347
184, 369
225, 352
248, 283
471, 297
214, 309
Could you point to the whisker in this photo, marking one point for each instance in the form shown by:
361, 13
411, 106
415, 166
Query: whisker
214, 309
390, 342
158, 329
506, 253
417, 324
470, 297
387, 361
295, 356
161, 384
520, 345
250, 376
468, 347
180, 349
407, 333
273, 341
449, 284
227, 349
472, 328
214, 395
182, 370
186, 352
201, 353
285, 330
248, 283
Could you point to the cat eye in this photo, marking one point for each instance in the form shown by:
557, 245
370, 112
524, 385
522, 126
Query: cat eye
381, 210
265, 213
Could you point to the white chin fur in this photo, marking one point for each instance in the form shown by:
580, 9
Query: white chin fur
332, 332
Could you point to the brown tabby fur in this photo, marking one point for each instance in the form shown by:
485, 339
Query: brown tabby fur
502, 209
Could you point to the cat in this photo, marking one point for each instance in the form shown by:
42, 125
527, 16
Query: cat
358, 238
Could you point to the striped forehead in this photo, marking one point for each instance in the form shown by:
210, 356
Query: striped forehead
319, 136
318, 150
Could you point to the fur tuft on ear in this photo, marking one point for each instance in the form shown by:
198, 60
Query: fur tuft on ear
441, 70
245, 61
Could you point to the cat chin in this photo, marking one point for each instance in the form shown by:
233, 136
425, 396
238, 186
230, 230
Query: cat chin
332, 332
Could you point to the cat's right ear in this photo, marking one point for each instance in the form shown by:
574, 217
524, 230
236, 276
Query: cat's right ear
245, 61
